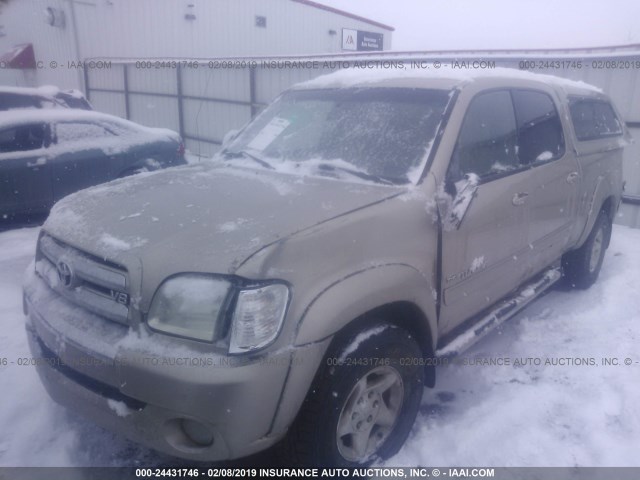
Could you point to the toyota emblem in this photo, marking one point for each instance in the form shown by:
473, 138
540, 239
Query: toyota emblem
65, 274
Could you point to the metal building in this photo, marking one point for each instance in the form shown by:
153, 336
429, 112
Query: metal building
62, 33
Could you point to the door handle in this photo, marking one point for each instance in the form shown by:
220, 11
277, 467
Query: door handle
520, 198
572, 177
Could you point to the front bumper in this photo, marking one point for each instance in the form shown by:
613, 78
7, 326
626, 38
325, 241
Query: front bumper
153, 388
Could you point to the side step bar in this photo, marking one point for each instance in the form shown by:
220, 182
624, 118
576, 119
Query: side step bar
504, 310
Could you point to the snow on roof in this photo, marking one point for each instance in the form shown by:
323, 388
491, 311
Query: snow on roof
352, 77
22, 116
43, 91
18, 116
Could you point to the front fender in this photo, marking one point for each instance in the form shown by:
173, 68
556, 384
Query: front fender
363, 291
337, 306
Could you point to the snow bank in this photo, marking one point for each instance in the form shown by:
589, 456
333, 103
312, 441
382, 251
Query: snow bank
545, 415
515, 415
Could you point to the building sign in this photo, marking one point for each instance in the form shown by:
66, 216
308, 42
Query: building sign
358, 40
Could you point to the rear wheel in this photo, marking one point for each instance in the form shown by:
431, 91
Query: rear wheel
581, 267
363, 403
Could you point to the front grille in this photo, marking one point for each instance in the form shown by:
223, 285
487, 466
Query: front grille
99, 286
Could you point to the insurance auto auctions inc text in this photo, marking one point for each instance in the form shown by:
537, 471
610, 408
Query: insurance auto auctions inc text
376, 472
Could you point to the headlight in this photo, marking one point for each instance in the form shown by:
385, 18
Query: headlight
189, 306
258, 317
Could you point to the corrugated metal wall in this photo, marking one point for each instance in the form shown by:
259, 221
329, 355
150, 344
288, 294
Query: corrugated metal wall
216, 100
629, 213
211, 102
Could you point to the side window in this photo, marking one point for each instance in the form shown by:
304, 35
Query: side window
78, 131
608, 123
540, 136
593, 119
10, 101
120, 130
23, 138
487, 140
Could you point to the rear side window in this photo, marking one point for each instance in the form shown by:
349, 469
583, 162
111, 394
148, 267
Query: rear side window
9, 101
73, 132
540, 136
593, 119
119, 129
487, 141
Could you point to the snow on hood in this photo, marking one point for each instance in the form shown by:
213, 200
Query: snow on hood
201, 218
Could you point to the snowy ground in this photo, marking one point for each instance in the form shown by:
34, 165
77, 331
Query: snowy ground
572, 415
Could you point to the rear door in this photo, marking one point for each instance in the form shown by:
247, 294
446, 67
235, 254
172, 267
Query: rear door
599, 149
82, 157
25, 171
484, 255
553, 179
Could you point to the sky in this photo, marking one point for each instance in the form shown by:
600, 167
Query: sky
495, 24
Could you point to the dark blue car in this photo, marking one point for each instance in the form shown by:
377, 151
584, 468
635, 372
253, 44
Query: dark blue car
48, 154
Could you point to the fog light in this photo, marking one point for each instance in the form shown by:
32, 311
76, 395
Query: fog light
198, 433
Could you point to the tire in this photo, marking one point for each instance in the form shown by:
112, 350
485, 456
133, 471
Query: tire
372, 405
581, 267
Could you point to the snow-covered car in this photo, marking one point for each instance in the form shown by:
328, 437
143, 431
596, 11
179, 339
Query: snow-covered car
300, 289
48, 154
12, 98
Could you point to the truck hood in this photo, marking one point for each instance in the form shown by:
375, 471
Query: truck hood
201, 218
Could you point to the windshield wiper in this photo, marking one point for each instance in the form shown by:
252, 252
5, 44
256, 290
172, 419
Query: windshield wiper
356, 173
247, 154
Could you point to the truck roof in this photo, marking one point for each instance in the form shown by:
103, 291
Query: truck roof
445, 77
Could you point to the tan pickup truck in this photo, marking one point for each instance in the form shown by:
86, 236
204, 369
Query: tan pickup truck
296, 289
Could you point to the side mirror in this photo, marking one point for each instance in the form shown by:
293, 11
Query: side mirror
460, 200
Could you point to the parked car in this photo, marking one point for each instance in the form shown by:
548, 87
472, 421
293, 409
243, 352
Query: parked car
48, 154
12, 98
300, 289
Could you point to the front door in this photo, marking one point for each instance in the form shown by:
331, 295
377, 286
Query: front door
82, 157
25, 183
485, 244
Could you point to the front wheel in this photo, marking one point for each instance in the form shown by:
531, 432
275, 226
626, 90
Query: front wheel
363, 402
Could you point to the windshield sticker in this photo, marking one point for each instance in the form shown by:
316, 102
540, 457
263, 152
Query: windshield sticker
269, 133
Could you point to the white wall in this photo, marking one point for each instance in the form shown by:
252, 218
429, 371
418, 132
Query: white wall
157, 28
24, 22
17, 78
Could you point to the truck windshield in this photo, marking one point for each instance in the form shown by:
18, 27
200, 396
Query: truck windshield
379, 134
